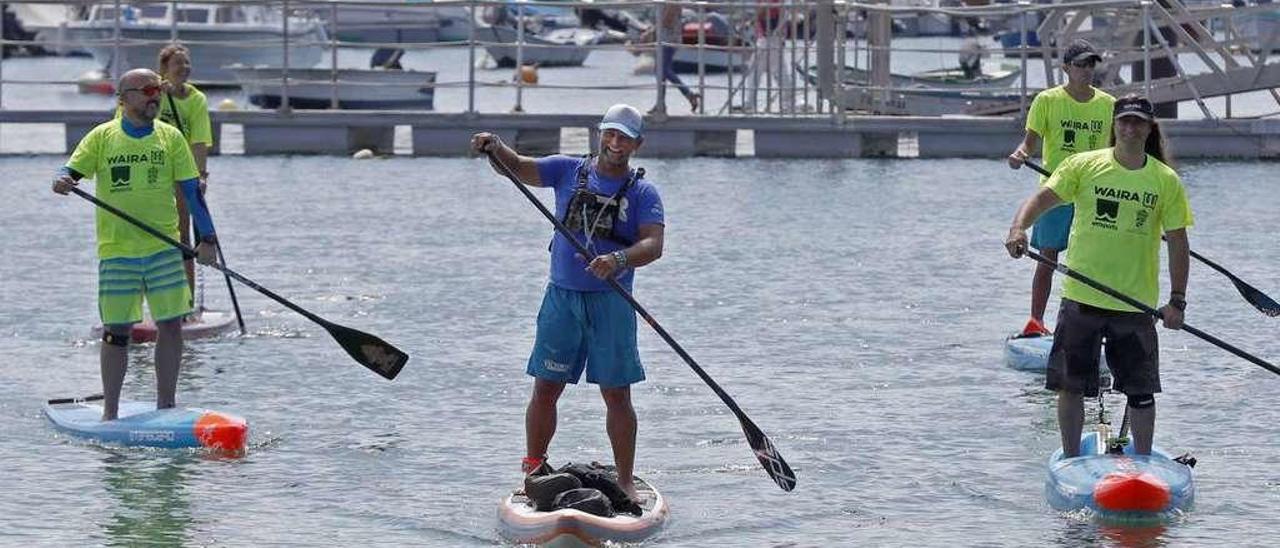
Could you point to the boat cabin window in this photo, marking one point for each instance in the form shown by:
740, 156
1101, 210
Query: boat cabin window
153, 11
230, 14
193, 15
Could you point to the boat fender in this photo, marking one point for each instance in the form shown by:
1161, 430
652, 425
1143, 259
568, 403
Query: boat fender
588, 500
1142, 401
113, 339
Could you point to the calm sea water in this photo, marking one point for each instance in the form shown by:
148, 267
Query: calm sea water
855, 309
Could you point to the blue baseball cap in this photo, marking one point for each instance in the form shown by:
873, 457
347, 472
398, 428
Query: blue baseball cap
624, 118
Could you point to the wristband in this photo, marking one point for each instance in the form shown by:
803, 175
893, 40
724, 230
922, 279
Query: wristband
620, 257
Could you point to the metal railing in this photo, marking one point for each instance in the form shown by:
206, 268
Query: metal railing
754, 58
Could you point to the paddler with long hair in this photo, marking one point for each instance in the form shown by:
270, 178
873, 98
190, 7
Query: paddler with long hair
1126, 197
185, 107
137, 163
1072, 118
583, 323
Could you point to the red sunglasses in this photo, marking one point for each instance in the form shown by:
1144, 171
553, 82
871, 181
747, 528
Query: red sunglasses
149, 91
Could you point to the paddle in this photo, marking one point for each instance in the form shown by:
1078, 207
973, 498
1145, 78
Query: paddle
368, 350
1138, 305
1257, 298
235, 303
765, 452
58, 401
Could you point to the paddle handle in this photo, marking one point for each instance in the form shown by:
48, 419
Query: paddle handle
1143, 307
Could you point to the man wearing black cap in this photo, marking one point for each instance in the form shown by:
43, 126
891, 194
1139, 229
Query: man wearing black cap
1127, 197
1074, 117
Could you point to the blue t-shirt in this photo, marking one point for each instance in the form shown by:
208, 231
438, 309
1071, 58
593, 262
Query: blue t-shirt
641, 205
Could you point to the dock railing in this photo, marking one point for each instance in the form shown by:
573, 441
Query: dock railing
785, 58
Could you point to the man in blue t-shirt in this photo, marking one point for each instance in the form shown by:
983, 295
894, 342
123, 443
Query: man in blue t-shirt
584, 325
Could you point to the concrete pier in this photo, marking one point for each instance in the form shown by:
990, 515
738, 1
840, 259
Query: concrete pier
436, 134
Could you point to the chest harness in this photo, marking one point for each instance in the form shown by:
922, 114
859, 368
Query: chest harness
594, 214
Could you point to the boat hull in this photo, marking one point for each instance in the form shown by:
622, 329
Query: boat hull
212, 47
356, 89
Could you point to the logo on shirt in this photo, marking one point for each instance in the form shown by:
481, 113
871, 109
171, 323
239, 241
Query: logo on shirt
1069, 138
120, 177
1142, 219
1149, 199
1106, 213
153, 176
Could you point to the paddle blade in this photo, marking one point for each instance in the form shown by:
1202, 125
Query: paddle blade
768, 456
1258, 299
372, 352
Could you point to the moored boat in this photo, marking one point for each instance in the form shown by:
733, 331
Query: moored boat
354, 89
141, 424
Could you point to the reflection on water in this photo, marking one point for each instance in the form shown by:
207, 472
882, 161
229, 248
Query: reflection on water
148, 497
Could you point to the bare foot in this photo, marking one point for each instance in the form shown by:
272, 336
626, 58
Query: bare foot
630, 489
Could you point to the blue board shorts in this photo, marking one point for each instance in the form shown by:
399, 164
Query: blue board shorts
586, 330
1052, 228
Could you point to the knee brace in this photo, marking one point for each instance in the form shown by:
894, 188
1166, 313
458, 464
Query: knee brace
113, 339
1142, 401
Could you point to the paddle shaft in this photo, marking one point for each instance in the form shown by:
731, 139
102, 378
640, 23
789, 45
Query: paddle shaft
235, 303
1140, 306
763, 447
189, 252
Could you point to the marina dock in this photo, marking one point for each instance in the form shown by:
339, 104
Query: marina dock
440, 134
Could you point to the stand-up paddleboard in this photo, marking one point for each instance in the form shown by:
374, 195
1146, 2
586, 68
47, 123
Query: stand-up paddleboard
209, 323
521, 523
1032, 353
1123, 487
141, 424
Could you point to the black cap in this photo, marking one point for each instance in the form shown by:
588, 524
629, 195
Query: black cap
1080, 50
1134, 106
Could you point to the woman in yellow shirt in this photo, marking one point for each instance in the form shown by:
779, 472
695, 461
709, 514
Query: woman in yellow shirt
186, 108
1126, 197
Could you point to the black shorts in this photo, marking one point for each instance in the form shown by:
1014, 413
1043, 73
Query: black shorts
1133, 350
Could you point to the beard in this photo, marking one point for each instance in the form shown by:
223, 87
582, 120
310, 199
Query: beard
149, 111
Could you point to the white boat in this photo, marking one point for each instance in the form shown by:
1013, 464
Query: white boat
355, 89
217, 34
414, 21
562, 47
